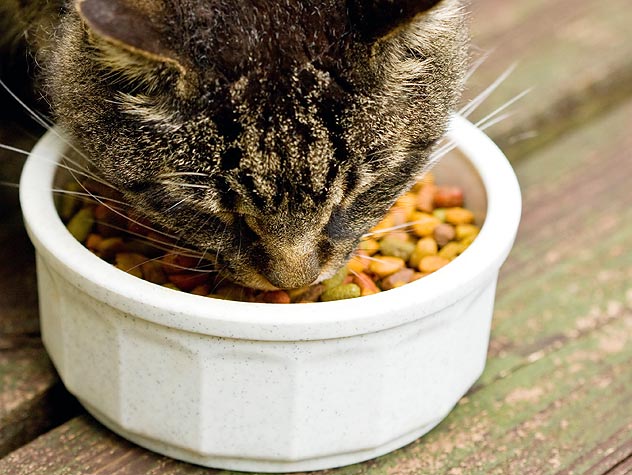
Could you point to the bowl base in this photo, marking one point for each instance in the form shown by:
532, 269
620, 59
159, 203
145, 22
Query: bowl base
261, 465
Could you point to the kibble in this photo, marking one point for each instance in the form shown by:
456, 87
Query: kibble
425, 229
432, 263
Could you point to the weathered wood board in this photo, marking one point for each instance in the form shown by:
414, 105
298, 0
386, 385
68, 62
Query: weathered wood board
556, 397
29, 387
575, 54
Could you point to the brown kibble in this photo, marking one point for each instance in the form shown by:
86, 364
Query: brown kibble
397, 279
231, 291
153, 272
444, 233
306, 294
424, 224
274, 296
384, 266
366, 284
432, 263
187, 281
109, 222
459, 216
448, 197
203, 290
93, 241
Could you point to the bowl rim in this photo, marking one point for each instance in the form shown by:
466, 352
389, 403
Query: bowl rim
478, 265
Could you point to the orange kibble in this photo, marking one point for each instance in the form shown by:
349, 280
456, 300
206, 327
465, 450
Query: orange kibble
386, 223
358, 263
432, 263
384, 266
424, 224
404, 207
425, 247
93, 241
369, 246
459, 215
366, 284
425, 199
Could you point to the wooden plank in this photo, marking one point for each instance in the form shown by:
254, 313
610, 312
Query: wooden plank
556, 397
32, 399
576, 54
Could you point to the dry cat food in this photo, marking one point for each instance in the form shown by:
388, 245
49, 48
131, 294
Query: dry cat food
424, 230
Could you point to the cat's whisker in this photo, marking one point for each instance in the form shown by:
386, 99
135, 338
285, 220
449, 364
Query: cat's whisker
504, 106
198, 269
62, 191
157, 243
182, 184
496, 120
119, 213
471, 106
40, 119
174, 206
85, 171
177, 174
369, 258
477, 64
81, 170
9, 184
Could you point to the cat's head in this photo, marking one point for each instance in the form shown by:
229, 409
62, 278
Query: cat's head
271, 133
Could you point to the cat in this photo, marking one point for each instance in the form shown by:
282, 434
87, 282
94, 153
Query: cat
274, 134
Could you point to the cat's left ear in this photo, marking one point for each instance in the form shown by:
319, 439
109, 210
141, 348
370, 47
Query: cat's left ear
374, 19
137, 28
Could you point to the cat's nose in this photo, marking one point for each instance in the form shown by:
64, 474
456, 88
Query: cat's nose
292, 270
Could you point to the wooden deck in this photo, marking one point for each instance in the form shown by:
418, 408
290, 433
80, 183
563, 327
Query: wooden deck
556, 396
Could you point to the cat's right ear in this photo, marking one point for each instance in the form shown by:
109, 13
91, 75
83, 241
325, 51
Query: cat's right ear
134, 35
374, 19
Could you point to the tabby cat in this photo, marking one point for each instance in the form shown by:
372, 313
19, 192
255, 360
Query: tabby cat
274, 134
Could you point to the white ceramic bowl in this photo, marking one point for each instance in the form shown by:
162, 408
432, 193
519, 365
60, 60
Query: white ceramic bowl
264, 387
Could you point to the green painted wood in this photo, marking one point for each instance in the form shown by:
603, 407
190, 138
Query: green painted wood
575, 54
556, 397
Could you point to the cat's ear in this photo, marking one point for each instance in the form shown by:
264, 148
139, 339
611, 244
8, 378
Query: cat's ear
135, 30
374, 19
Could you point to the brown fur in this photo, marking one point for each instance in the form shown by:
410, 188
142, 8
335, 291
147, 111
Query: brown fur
303, 123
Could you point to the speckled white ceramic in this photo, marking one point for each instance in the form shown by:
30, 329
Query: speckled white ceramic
264, 387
